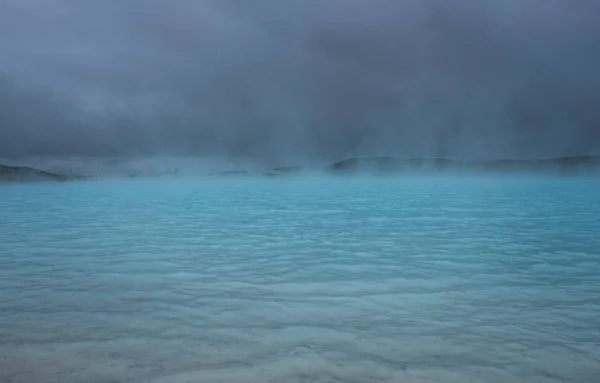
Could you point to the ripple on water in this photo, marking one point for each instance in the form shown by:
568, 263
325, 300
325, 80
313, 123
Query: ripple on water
312, 280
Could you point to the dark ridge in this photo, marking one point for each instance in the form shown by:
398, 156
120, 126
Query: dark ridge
288, 169
233, 173
397, 164
561, 164
27, 174
390, 164
283, 171
280, 171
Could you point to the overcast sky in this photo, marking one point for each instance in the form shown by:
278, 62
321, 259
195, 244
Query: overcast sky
279, 81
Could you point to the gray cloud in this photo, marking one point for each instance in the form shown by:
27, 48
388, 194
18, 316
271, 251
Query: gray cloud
283, 81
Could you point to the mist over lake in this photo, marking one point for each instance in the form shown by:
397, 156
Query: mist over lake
334, 191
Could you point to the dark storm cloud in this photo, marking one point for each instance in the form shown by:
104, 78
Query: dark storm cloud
282, 81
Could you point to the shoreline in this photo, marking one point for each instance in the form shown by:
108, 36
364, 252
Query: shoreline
349, 166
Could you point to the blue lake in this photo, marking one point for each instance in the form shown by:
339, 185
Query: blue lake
422, 279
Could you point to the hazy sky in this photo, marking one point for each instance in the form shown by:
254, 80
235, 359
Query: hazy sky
279, 81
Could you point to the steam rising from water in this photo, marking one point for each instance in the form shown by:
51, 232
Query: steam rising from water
292, 82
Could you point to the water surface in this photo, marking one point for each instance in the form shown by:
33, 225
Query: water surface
425, 279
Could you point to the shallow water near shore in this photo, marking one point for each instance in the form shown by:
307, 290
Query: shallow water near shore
312, 279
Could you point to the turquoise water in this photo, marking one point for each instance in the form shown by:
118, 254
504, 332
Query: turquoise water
438, 279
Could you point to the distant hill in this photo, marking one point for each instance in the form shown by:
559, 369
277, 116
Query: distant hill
27, 174
361, 165
397, 164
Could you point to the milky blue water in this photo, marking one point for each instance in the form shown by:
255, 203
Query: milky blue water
414, 280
